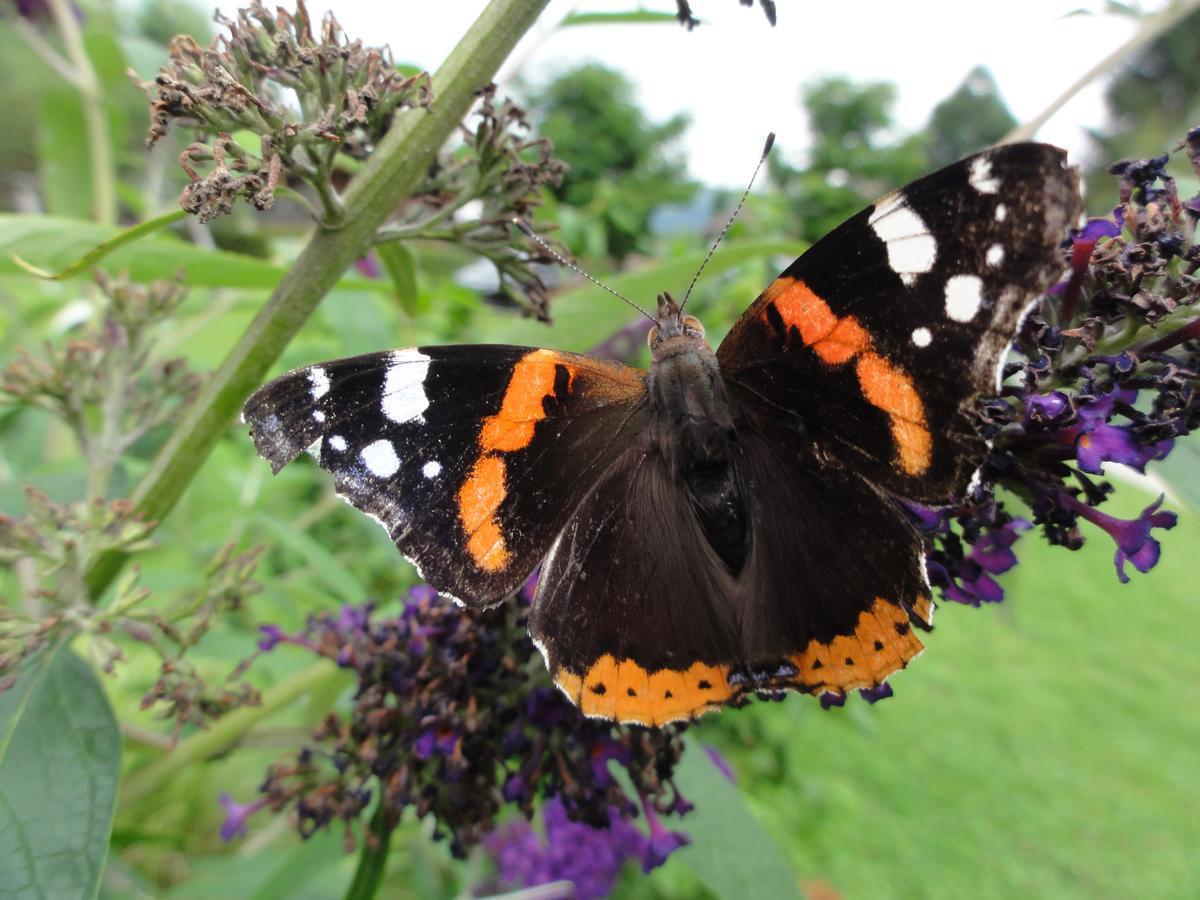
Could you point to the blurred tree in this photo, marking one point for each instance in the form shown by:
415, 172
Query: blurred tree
161, 20
971, 118
854, 156
1152, 101
622, 166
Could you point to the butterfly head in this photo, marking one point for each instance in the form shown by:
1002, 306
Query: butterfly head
674, 332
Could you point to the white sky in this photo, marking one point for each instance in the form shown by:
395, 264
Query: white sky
738, 78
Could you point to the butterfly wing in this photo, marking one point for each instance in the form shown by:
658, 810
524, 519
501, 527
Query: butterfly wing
639, 620
470, 456
634, 611
874, 343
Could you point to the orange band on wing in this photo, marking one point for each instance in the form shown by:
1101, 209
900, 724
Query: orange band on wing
531, 383
624, 691
838, 341
892, 390
882, 642
511, 428
478, 499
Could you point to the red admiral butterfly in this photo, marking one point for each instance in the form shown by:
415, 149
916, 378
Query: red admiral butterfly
725, 523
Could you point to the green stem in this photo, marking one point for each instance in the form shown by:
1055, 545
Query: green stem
372, 860
392, 173
224, 733
95, 117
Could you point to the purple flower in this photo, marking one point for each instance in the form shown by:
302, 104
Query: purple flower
830, 699
662, 842
442, 741
1045, 408
355, 618
236, 815
718, 759
368, 265
1116, 443
1098, 441
874, 694
453, 718
931, 520
602, 751
968, 579
271, 635
591, 859
1083, 243
1132, 536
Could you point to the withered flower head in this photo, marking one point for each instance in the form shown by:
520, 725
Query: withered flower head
306, 97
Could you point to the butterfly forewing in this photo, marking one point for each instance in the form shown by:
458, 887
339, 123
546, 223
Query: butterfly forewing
876, 341
471, 457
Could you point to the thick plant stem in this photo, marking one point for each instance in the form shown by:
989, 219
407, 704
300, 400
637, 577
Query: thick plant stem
372, 859
392, 173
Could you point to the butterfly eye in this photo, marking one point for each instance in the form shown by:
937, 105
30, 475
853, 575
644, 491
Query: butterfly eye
691, 323
652, 337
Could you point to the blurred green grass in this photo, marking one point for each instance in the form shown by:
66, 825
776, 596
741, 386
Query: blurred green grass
1045, 747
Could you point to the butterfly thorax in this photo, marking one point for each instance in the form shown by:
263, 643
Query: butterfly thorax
691, 426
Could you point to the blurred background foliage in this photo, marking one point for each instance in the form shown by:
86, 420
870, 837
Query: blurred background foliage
1046, 747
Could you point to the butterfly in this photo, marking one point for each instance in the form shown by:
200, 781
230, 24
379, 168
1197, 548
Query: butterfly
728, 522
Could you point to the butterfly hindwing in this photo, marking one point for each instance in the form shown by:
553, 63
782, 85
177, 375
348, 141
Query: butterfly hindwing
469, 456
640, 620
875, 341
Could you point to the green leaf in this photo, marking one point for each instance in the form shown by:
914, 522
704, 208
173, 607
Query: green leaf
65, 164
52, 244
337, 578
90, 259
633, 17
60, 757
402, 268
1178, 472
731, 852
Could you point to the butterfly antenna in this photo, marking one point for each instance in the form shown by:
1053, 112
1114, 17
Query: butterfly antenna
746, 193
533, 236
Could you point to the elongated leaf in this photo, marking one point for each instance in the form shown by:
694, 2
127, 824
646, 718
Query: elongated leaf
60, 757
90, 259
402, 269
632, 17
326, 568
64, 163
731, 852
53, 243
1178, 471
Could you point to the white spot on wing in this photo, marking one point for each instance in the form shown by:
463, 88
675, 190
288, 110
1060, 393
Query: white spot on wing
404, 398
921, 336
1001, 212
319, 381
337, 442
981, 177
911, 248
964, 296
318, 416
381, 459
431, 469
995, 254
